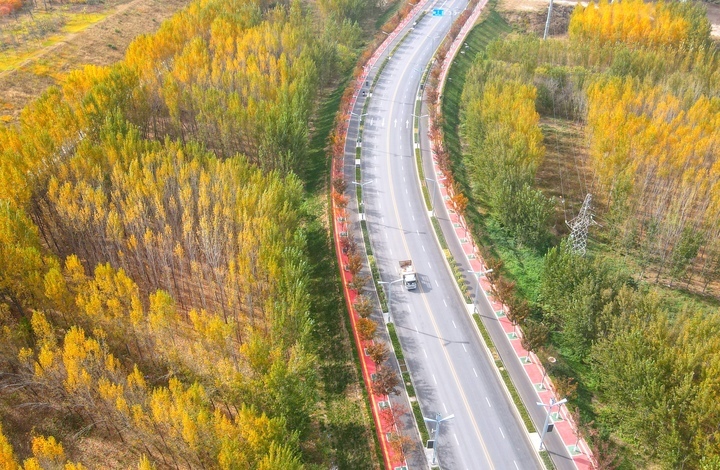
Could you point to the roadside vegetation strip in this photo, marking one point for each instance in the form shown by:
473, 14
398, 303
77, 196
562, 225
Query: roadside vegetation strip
407, 380
337, 172
491, 28
504, 373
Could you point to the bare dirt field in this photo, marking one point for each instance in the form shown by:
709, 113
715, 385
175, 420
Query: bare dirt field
102, 43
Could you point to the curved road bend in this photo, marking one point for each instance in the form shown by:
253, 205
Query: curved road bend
451, 371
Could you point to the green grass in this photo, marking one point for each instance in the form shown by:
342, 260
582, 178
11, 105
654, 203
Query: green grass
348, 422
317, 167
524, 265
80, 21
547, 460
439, 232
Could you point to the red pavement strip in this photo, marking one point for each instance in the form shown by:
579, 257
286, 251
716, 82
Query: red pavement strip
391, 460
534, 370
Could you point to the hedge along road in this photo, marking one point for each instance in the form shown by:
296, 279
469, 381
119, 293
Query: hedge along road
451, 371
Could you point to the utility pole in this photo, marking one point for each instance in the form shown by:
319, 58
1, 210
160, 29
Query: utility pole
438, 419
477, 288
547, 23
579, 226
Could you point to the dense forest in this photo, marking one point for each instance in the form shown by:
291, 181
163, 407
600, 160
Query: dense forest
158, 299
641, 81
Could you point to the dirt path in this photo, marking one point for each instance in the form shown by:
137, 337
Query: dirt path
103, 43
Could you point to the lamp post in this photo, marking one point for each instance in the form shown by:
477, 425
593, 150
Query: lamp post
389, 292
438, 419
551, 360
549, 408
477, 288
360, 202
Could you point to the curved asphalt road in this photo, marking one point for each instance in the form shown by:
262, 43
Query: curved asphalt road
451, 371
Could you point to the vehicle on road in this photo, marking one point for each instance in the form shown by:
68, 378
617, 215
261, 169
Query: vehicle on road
408, 274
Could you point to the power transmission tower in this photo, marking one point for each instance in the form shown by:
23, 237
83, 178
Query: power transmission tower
547, 23
579, 226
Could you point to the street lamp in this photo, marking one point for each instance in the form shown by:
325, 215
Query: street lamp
551, 360
438, 419
477, 288
358, 115
389, 292
549, 408
360, 203
420, 117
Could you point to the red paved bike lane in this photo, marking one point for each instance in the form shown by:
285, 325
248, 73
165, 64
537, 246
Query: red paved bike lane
391, 459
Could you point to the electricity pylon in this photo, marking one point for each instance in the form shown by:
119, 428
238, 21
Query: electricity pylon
579, 226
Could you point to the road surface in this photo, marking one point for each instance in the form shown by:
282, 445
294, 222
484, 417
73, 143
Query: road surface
452, 373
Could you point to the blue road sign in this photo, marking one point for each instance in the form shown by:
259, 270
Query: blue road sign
438, 12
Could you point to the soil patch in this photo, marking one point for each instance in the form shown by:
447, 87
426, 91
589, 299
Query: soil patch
103, 43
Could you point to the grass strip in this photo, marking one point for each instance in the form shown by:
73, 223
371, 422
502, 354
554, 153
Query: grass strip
417, 412
505, 375
439, 232
547, 460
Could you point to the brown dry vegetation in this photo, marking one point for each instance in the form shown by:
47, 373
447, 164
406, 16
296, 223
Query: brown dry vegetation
100, 44
564, 173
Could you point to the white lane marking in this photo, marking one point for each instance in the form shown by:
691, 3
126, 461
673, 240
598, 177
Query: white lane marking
412, 216
425, 352
456, 439
445, 407
416, 329
390, 250
502, 433
406, 191
407, 124
404, 181
488, 400
402, 167
409, 205
395, 123
454, 325
516, 465
436, 283
465, 349
423, 247
383, 123
434, 379
429, 265
475, 372
445, 302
